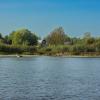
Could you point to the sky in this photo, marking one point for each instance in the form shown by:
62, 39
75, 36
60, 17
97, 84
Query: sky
42, 16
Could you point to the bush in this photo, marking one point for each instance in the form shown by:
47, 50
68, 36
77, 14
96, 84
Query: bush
17, 49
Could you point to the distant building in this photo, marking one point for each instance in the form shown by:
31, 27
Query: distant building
39, 41
67, 43
42, 42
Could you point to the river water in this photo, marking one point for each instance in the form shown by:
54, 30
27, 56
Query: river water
49, 78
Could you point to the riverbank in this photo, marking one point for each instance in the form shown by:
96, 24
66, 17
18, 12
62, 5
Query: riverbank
17, 56
66, 56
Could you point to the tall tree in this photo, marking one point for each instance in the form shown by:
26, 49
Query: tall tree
0, 36
88, 38
56, 37
24, 37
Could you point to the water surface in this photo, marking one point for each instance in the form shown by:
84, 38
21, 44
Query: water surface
49, 78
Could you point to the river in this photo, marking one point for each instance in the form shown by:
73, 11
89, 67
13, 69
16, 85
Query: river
49, 78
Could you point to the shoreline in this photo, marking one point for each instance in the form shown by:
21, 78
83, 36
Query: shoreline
1, 56
65, 56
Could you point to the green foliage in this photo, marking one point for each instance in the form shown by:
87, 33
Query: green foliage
56, 37
77, 48
1, 39
87, 35
88, 39
67, 38
0, 36
97, 45
24, 37
12, 49
7, 40
57, 43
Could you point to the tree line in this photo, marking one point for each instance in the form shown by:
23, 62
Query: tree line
56, 43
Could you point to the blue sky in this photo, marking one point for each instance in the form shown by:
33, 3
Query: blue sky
42, 16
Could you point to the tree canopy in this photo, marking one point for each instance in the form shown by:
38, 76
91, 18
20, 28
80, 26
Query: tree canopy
56, 37
56, 42
23, 37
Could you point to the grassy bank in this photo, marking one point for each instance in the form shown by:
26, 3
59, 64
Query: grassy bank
60, 50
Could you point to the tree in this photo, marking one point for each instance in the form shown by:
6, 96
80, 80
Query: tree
24, 37
87, 35
0, 36
97, 45
88, 38
1, 39
7, 40
67, 38
56, 37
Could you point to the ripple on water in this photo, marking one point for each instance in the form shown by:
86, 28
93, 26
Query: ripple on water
49, 78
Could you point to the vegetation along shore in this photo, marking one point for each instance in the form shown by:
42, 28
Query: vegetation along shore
57, 43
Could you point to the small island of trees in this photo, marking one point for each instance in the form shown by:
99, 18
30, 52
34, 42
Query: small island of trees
57, 43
